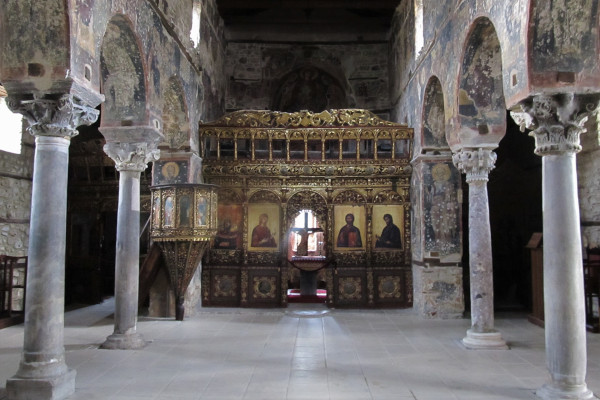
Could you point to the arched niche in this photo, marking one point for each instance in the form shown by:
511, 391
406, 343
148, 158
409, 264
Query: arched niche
313, 207
434, 119
176, 126
481, 104
123, 76
309, 88
307, 200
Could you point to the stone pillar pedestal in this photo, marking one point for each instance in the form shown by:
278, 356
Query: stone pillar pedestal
43, 373
477, 164
558, 122
131, 160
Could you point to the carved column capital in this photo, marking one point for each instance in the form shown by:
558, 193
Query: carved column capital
475, 163
556, 121
131, 156
56, 116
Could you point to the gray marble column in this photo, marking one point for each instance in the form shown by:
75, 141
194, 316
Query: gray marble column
557, 122
477, 164
43, 373
130, 159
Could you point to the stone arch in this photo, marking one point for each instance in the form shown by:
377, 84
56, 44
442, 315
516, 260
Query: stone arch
433, 126
481, 104
123, 81
309, 88
176, 126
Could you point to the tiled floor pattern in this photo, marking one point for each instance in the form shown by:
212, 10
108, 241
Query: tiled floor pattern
303, 352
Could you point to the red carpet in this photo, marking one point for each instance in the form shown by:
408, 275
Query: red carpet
294, 296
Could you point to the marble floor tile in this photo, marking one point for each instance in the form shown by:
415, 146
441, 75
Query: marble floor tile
304, 352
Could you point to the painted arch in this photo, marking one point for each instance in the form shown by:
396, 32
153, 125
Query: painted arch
123, 81
481, 103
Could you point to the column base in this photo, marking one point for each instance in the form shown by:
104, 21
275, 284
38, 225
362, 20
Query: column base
53, 388
119, 341
484, 341
553, 391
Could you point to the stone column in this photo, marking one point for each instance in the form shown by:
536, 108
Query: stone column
477, 164
130, 159
43, 373
557, 122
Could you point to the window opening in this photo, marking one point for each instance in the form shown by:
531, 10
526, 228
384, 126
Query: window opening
12, 128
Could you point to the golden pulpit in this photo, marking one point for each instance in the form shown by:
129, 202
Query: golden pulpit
183, 222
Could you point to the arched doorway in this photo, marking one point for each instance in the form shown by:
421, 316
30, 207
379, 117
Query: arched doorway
307, 248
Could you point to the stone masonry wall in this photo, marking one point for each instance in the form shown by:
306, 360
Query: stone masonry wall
16, 171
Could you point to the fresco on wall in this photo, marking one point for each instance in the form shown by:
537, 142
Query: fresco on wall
263, 227
441, 208
229, 233
416, 226
349, 228
388, 223
309, 88
123, 80
434, 133
170, 172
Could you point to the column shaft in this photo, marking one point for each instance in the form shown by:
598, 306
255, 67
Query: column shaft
477, 164
127, 264
564, 308
128, 252
480, 259
43, 370
130, 160
557, 122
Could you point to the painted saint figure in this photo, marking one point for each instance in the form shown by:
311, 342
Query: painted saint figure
168, 212
261, 234
390, 235
201, 212
184, 211
349, 235
227, 236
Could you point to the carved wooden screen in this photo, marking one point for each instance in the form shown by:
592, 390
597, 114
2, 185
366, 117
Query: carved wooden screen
336, 163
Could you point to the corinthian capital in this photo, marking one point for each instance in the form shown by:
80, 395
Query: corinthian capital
475, 163
131, 156
556, 121
54, 116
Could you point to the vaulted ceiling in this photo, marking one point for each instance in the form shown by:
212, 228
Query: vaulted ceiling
307, 20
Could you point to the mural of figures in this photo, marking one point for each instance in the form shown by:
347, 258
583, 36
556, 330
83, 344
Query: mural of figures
263, 227
433, 121
349, 223
416, 226
229, 232
441, 209
387, 220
